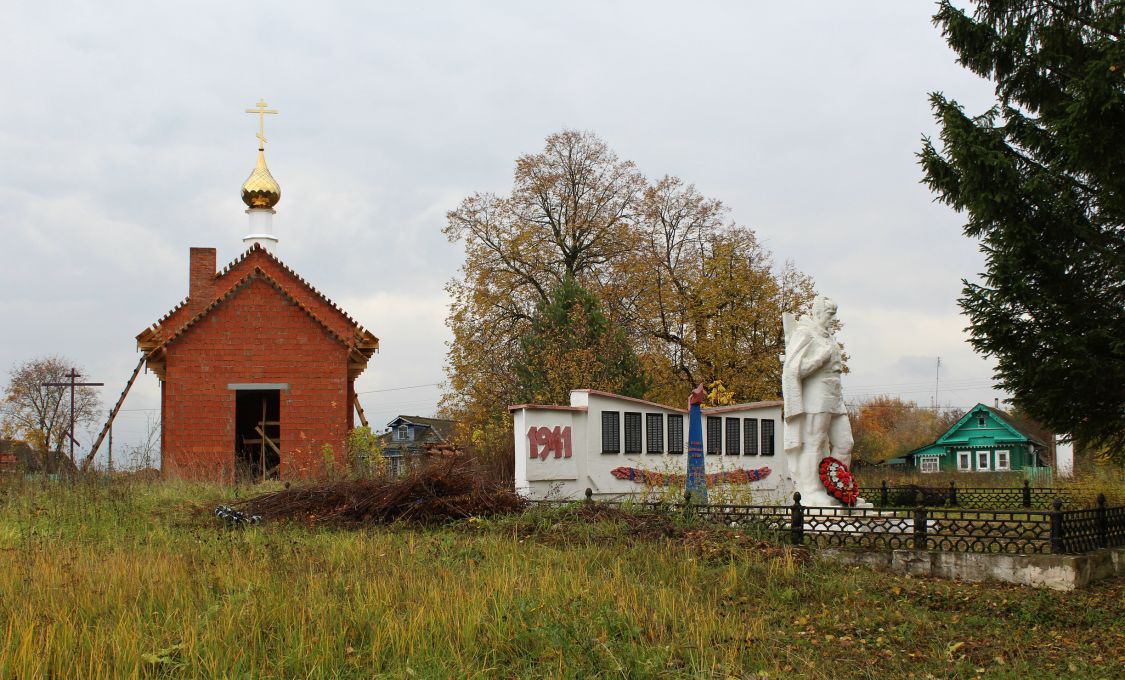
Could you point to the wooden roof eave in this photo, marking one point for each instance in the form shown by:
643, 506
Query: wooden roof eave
357, 361
365, 341
155, 360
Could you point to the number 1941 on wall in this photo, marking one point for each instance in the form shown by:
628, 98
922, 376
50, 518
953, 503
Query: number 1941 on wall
543, 440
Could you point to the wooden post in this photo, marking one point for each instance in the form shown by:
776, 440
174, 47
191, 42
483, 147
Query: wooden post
1058, 540
110, 448
73, 375
797, 520
920, 528
1101, 523
1026, 494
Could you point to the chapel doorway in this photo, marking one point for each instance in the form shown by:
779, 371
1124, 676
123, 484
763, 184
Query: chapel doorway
257, 438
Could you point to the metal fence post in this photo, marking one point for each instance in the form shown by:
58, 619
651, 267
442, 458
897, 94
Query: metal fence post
883, 495
1102, 524
797, 520
1058, 541
1026, 494
920, 527
589, 496
953, 494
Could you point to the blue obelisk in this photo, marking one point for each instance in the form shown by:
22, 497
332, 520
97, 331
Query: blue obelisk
696, 470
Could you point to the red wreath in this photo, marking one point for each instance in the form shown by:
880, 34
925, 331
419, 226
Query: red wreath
838, 480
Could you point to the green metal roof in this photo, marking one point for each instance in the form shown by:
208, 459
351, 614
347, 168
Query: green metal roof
999, 428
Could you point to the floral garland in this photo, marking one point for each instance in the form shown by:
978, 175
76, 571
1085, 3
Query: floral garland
838, 480
649, 478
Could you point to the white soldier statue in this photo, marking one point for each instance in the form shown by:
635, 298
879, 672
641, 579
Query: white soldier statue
816, 420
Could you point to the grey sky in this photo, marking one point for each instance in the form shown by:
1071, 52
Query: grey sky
123, 143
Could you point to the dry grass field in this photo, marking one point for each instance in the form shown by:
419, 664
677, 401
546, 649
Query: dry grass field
125, 579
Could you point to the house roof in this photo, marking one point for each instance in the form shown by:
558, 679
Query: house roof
20, 455
1004, 419
932, 445
1012, 425
443, 427
1016, 424
258, 263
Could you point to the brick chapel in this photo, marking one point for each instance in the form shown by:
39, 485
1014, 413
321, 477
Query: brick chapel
257, 367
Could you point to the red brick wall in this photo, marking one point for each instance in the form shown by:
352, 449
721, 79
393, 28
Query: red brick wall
256, 336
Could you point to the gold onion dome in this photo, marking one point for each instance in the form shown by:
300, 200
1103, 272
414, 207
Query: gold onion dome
261, 190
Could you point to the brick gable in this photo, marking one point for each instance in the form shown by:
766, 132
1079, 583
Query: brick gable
256, 260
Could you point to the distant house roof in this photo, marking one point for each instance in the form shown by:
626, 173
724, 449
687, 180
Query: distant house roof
1016, 424
932, 448
19, 454
443, 427
1016, 429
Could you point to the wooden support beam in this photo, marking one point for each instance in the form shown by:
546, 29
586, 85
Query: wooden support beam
112, 414
266, 441
359, 411
262, 431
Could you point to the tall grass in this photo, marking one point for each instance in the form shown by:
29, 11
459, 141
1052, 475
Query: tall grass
119, 580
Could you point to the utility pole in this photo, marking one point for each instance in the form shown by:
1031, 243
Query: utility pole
73, 375
937, 382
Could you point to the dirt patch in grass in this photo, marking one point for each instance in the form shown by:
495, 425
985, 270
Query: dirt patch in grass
720, 545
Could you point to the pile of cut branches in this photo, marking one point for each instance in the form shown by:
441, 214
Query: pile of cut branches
441, 491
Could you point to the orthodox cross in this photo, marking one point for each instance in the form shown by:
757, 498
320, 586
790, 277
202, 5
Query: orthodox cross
73, 375
261, 111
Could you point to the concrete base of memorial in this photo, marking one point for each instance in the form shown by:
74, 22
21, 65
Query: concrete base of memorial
1057, 572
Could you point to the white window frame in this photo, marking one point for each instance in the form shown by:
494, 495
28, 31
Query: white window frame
987, 457
1007, 459
962, 458
402, 432
923, 464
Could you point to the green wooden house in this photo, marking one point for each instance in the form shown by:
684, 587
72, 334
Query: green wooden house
985, 440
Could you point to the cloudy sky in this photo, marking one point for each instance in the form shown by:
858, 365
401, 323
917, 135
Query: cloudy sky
123, 142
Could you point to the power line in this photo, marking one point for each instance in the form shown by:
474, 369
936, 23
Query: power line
866, 406
925, 383
396, 389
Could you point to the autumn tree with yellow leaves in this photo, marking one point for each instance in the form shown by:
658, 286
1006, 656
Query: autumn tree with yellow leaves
695, 295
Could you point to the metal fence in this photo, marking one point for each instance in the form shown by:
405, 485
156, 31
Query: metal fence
978, 498
1025, 532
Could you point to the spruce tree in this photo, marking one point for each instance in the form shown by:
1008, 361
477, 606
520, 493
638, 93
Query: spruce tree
1041, 178
572, 345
